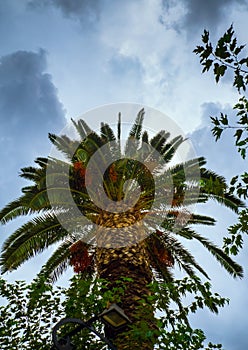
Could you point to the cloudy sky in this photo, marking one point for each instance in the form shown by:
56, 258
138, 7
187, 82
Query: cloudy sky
61, 58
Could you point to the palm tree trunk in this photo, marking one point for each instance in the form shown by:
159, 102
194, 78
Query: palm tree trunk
131, 263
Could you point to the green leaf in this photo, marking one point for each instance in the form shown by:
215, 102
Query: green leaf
238, 134
239, 81
219, 71
244, 61
234, 180
198, 49
216, 131
215, 120
224, 119
207, 65
227, 37
239, 49
205, 36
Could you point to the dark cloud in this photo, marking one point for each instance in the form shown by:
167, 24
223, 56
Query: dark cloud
81, 9
202, 14
28, 98
29, 109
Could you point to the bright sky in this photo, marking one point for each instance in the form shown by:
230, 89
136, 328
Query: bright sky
61, 58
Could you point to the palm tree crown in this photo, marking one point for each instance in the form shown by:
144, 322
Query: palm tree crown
137, 194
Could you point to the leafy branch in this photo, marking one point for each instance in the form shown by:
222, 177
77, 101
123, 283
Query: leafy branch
225, 56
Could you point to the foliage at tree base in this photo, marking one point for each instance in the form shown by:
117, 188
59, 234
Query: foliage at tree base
31, 311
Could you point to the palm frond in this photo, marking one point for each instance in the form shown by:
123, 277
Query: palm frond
145, 137
31, 238
132, 143
54, 171
64, 144
82, 128
34, 173
35, 198
159, 140
109, 139
192, 219
119, 129
191, 167
58, 262
92, 143
152, 152
41, 161
214, 186
136, 130
201, 219
207, 174
182, 256
13, 210
229, 200
107, 133
231, 266
170, 148
30, 173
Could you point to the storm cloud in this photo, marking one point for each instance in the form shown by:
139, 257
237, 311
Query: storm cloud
208, 13
28, 98
200, 14
84, 10
29, 109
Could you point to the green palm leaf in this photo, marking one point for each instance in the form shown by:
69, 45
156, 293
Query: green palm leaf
64, 144
58, 263
82, 128
201, 219
107, 133
231, 266
137, 127
158, 141
184, 259
30, 239
132, 143
170, 148
15, 209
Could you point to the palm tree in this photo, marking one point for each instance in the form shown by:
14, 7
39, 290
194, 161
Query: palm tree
116, 213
